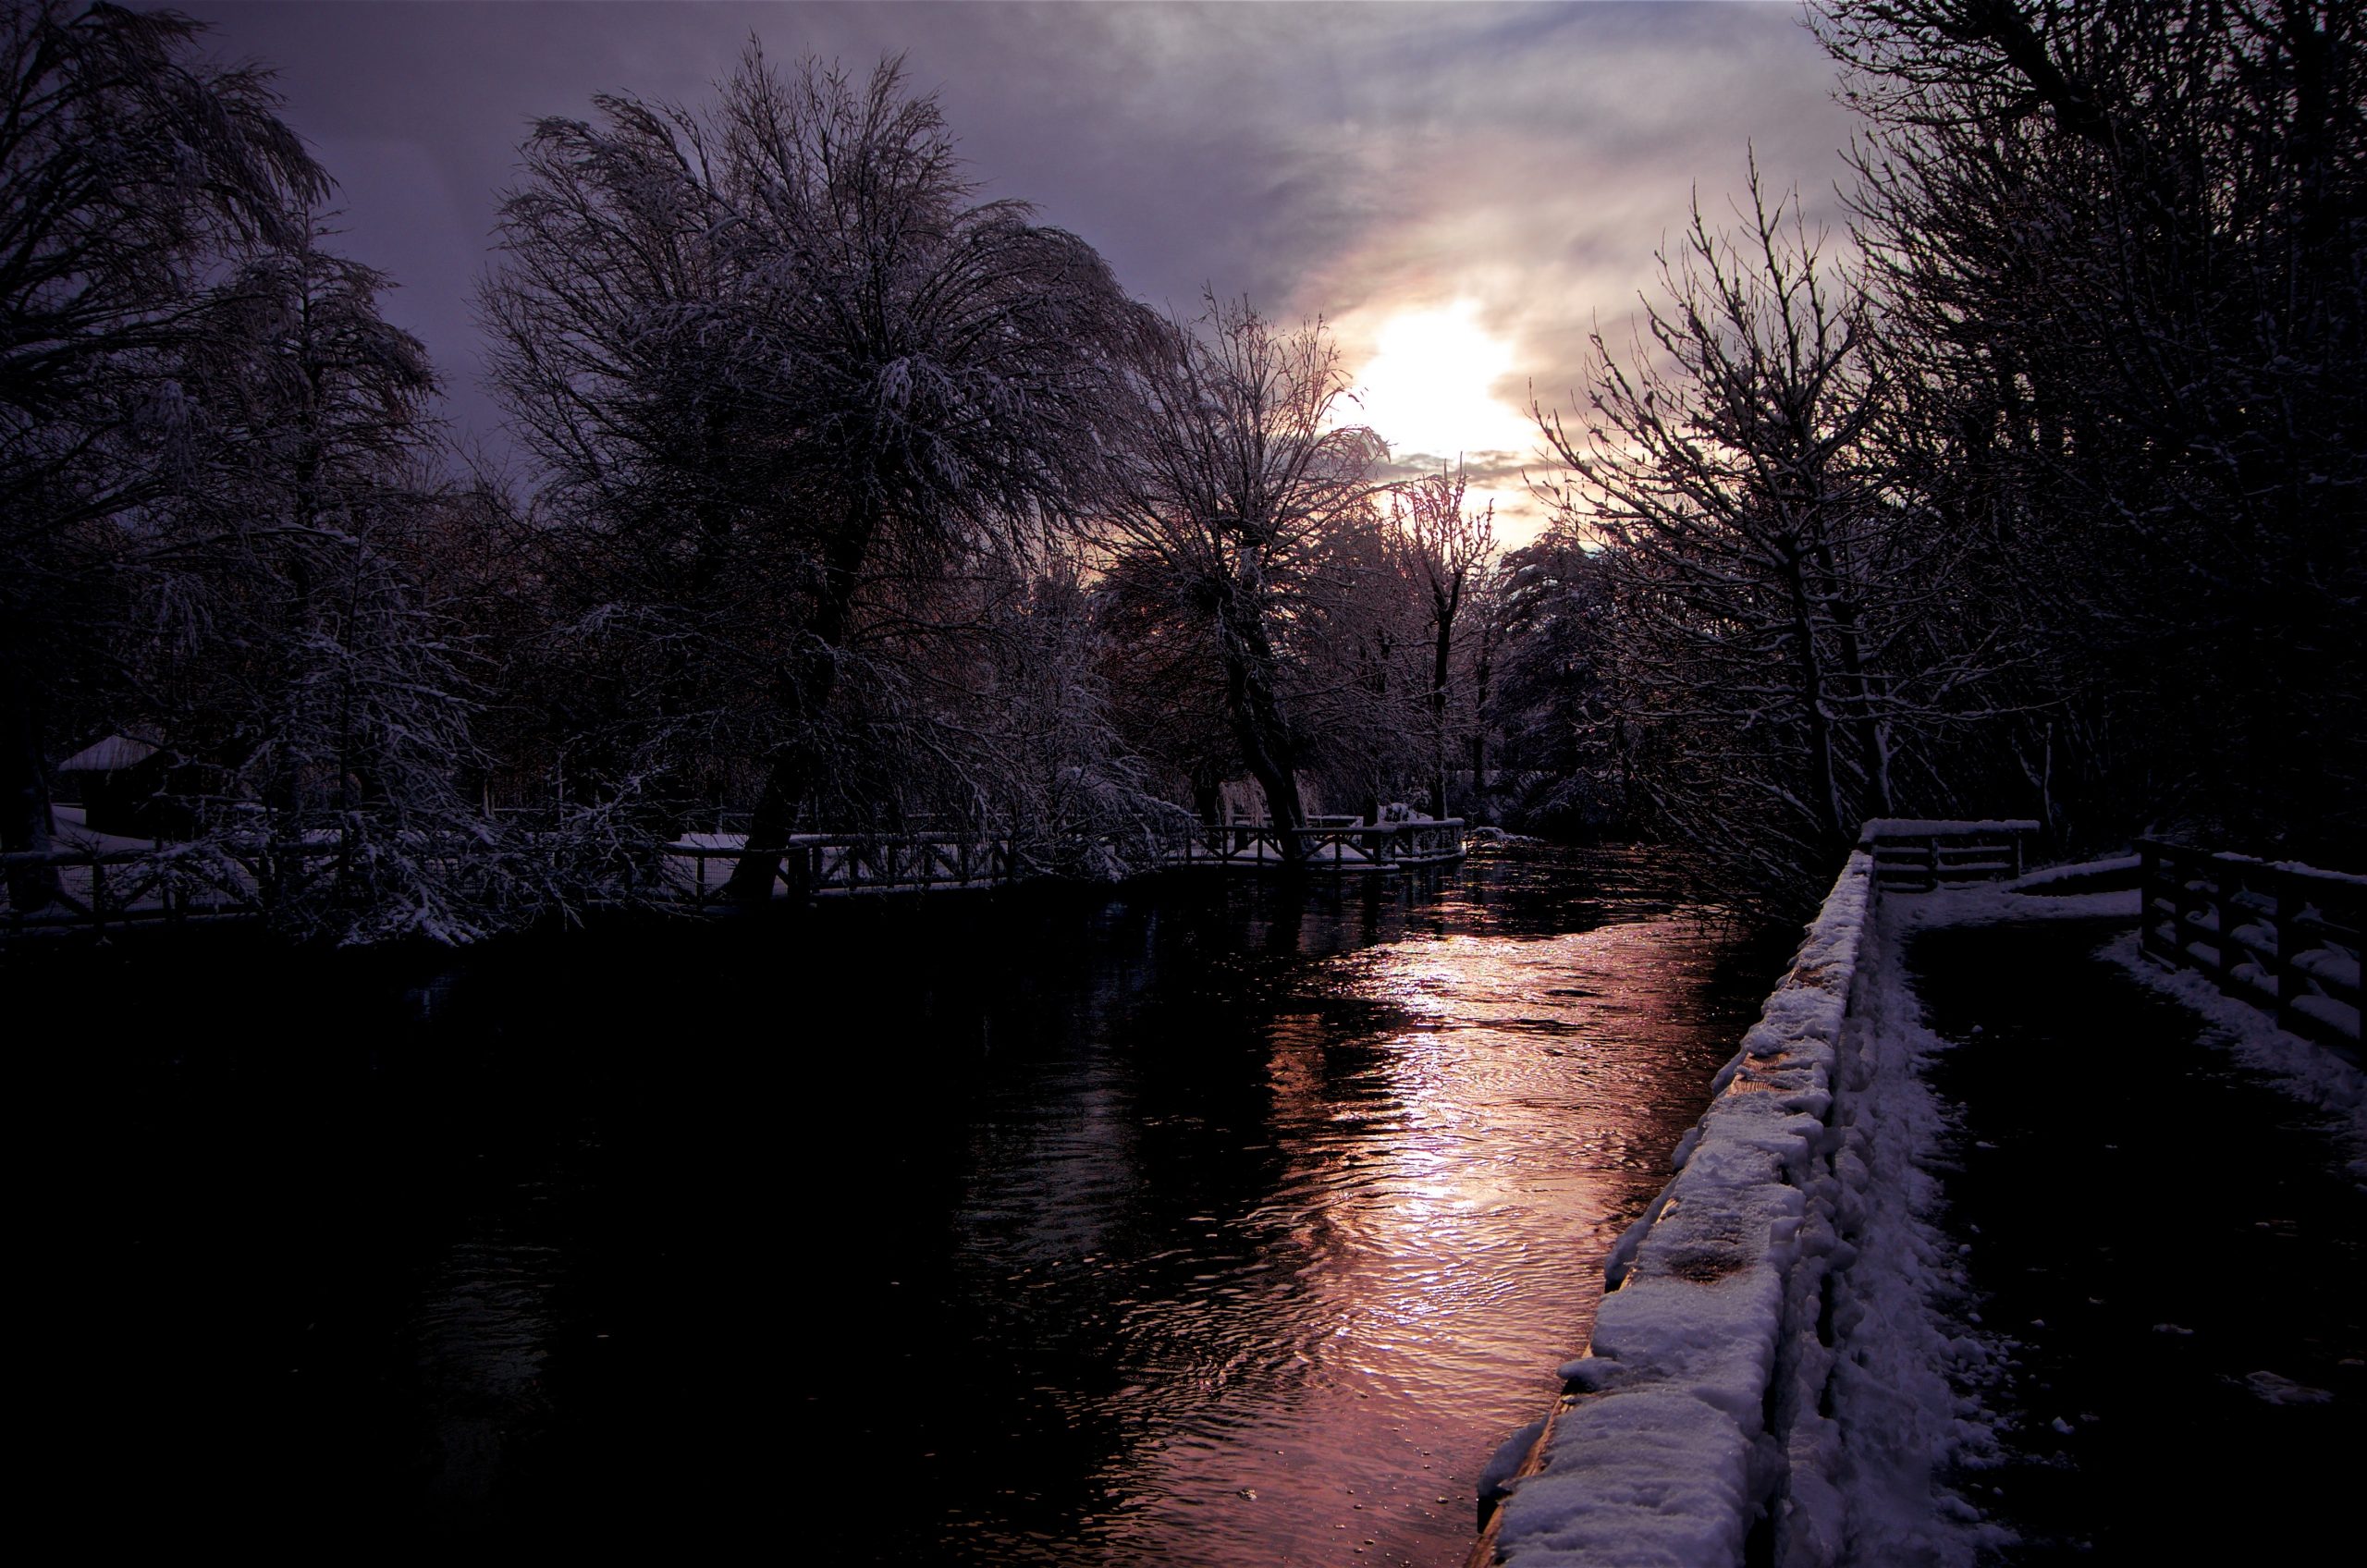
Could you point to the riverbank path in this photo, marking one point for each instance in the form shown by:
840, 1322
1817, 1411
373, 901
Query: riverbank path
2165, 1245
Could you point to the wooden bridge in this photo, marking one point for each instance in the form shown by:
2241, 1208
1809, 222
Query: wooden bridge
818, 865
1337, 845
836, 865
98, 888
166, 883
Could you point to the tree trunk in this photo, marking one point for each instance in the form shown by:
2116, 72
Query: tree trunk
710, 553
797, 767
1873, 732
1479, 733
1808, 664
26, 821
1208, 796
1258, 726
1442, 656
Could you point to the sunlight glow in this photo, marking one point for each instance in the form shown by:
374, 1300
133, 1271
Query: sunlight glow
1428, 389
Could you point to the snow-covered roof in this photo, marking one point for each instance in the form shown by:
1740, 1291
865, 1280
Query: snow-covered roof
109, 756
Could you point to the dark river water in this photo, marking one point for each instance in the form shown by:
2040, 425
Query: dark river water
1206, 1223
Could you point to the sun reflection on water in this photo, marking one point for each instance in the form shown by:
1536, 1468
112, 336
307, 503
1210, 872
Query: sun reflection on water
1462, 1130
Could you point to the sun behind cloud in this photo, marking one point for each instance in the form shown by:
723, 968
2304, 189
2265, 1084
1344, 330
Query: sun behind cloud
1428, 391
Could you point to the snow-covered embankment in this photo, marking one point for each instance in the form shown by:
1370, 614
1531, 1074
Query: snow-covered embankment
1695, 1417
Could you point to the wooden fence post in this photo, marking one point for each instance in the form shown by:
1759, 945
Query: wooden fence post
2226, 883
2149, 875
2180, 896
2187, 901
2288, 910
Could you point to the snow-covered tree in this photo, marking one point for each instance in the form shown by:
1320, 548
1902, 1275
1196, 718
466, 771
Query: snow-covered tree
129, 167
217, 454
1359, 678
770, 357
289, 651
1030, 732
1562, 750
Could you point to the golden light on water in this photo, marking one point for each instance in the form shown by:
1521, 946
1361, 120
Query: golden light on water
1461, 1126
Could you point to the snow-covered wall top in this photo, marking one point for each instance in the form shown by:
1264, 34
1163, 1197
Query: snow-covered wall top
1662, 1452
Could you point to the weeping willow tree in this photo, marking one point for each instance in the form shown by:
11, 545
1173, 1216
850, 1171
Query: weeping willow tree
781, 365
131, 169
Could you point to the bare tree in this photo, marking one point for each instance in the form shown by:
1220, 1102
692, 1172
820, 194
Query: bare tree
1762, 580
1448, 551
1234, 473
2117, 249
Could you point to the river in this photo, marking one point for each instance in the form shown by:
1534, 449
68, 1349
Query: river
1204, 1222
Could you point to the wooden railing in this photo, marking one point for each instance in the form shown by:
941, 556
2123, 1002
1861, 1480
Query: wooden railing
2283, 937
1339, 847
1912, 854
169, 882
96, 889
100, 888
837, 865
824, 865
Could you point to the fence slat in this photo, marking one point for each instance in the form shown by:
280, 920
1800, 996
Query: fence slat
2312, 938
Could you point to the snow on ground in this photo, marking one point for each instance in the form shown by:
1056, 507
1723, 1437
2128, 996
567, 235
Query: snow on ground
1785, 1332
2307, 1071
1981, 902
2078, 877
1903, 1413
1920, 827
1775, 1336
73, 833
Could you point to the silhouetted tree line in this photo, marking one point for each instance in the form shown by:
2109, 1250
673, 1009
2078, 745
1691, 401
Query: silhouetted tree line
853, 499
2043, 498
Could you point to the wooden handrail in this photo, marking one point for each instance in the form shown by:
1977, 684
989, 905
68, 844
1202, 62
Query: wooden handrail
2282, 937
175, 882
1912, 853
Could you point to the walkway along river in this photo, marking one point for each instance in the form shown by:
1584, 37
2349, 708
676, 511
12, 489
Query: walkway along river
1203, 1223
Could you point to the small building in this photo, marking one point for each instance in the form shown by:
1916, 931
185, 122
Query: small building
117, 780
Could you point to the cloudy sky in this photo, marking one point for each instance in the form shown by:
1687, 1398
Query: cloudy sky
1463, 191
